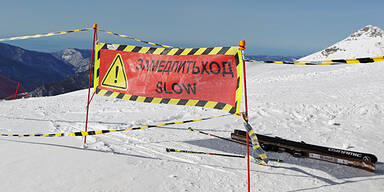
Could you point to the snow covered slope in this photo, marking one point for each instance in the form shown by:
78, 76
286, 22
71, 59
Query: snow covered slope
367, 42
337, 106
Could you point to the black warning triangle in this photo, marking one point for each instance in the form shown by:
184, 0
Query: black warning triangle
116, 76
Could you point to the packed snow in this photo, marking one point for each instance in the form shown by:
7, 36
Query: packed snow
339, 106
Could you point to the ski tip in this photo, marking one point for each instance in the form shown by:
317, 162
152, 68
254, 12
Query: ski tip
276, 160
172, 150
257, 160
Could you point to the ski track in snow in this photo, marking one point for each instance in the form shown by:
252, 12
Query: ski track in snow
114, 143
337, 106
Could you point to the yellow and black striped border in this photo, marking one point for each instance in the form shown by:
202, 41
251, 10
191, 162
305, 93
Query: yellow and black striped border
44, 34
99, 132
327, 62
173, 51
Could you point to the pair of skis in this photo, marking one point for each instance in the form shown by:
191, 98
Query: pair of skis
355, 159
359, 160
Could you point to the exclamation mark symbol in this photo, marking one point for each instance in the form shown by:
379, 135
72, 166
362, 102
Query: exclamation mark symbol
117, 72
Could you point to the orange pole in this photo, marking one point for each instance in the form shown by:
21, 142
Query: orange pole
242, 48
90, 79
248, 172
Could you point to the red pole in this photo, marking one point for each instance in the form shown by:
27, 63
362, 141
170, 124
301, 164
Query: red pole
249, 175
17, 89
90, 79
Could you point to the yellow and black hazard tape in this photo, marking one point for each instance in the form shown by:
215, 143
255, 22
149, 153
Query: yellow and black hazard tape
99, 132
293, 63
135, 39
173, 51
44, 34
261, 155
327, 62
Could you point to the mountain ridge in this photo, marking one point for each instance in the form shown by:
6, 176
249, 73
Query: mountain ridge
32, 68
78, 58
366, 42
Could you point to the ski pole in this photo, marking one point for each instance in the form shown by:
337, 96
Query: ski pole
216, 154
203, 153
212, 135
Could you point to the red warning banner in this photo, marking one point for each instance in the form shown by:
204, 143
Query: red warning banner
205, 77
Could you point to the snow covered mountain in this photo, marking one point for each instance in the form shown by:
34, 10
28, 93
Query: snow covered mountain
33, 68
79, 58
366, 42
46, 73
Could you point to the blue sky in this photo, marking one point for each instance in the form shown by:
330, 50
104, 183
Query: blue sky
285, 27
